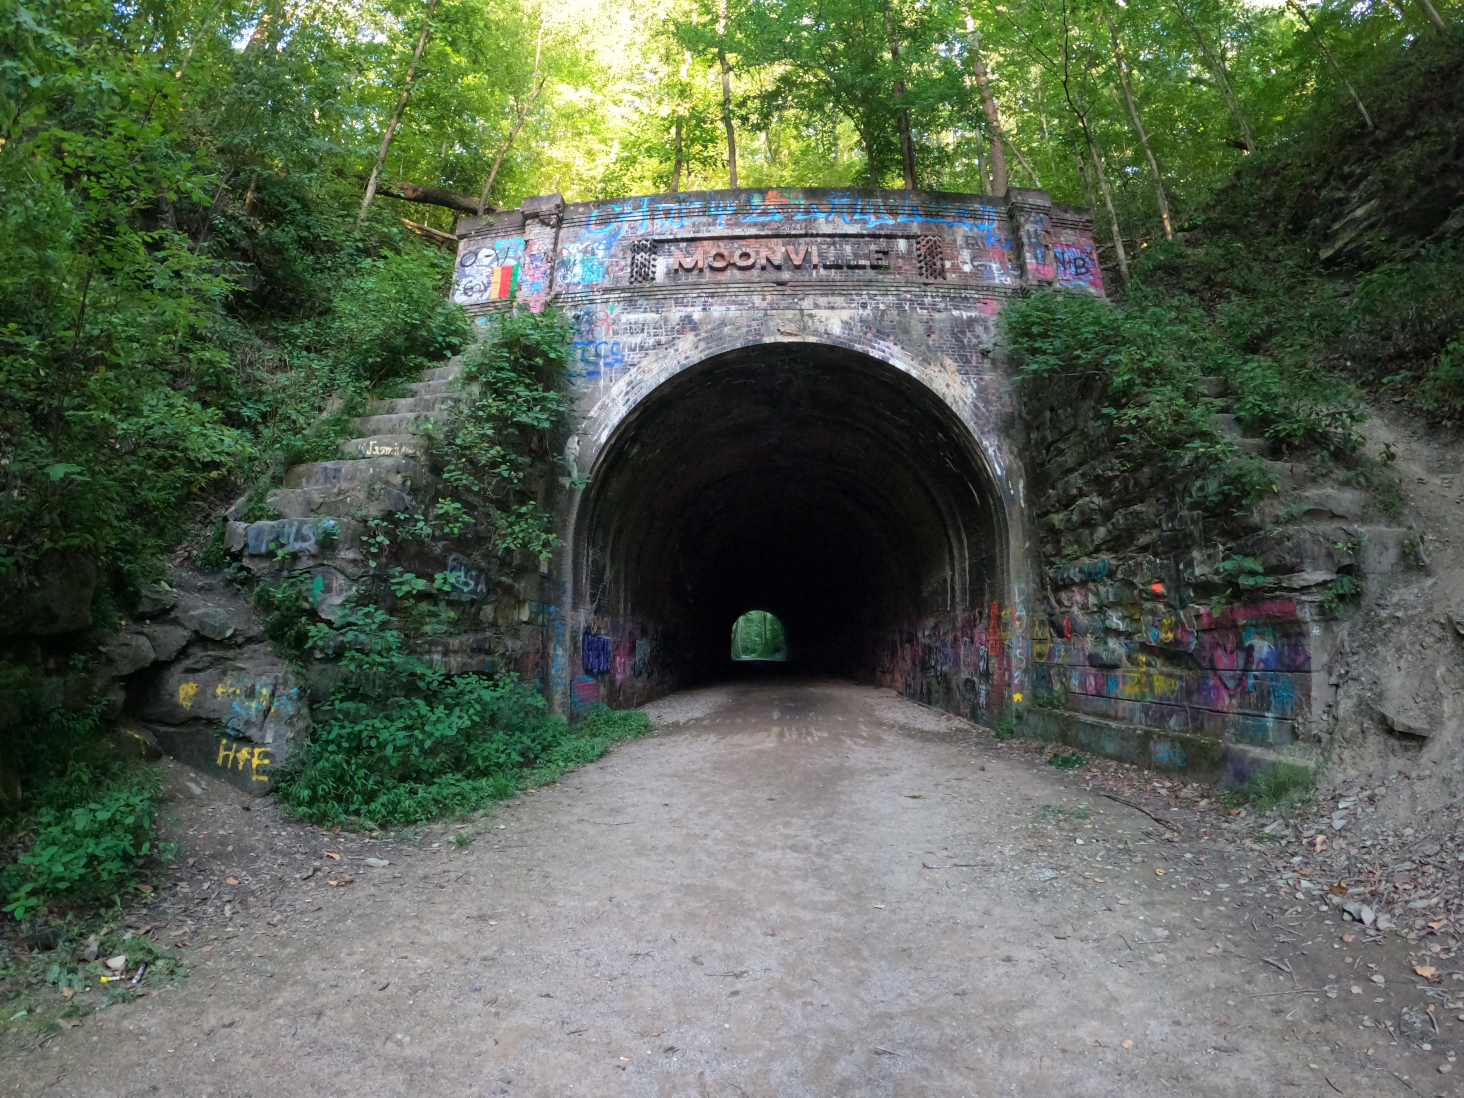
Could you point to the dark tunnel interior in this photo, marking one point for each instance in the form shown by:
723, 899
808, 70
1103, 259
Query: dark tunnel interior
814, 482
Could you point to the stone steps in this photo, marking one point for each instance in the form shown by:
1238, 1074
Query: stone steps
401, 423
435, 402
374, 446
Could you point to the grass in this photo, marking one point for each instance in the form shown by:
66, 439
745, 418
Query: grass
1275, 789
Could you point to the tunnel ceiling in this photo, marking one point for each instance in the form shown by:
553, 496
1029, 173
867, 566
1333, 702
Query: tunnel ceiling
811, 481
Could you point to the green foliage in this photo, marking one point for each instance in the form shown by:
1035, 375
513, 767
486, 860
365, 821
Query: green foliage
758, 635
1245, 571
1278, 787
88, 851
84, 830
1067, 761
1341, 594
513, 380
1006, 729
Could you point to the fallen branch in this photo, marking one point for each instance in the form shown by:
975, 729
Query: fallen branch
427, 230
431, 196
1158, 820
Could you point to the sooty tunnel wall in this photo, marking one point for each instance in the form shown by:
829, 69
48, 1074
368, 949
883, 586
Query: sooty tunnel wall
814, 482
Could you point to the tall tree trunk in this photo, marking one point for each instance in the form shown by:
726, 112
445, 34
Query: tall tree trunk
518, 123
902, 115
727, 117
1222, 76
1022, 160
1342, 76
1133, 110
396, 117
1433, 15
993, 116
676, 163
1120, 254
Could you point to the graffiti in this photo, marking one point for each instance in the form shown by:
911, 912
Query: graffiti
1076, 265
467, 580
585, 692
233, 754
489, 272
583, 262
558, 658
1078, 573
291, 536
595, 654
642, 667
537, 270
599, 355
186, 692
780, 257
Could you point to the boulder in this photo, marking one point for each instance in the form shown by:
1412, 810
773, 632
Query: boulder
128, 652
234, 712
212, 622
154, 599
167, 640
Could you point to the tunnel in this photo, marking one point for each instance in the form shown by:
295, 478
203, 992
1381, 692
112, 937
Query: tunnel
820, 484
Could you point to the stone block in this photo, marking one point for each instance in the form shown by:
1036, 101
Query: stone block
166, 639
154, 599
213, 622
128, 652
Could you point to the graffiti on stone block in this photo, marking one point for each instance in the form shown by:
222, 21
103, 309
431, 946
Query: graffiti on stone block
291, 536
466, 579
489, 271
237, 755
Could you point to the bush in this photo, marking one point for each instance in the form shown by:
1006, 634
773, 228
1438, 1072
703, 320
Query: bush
1277, 787
89, 841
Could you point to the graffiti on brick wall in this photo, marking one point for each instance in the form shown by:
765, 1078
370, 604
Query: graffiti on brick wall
1076, 266
490, 270
585, 692
595, 654
964, 665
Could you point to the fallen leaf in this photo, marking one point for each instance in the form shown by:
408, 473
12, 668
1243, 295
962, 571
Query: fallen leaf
144, 889
206, 949
1425, 970
879, 906
69, 1023
1356, 990
67, 992
335, 857
231, 880
1349, 937
1128, 1044
1099, 880
1160, 872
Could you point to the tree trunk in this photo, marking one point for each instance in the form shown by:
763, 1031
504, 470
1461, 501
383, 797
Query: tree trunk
1217, 66
993, 116
1342, 76
676, 163
1133, 110
513, 133
432, 196
1120, 254
1022, 160
1433, 16
902, 115
396, 117
727, 117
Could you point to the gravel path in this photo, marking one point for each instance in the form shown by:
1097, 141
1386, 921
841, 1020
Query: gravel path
791, 889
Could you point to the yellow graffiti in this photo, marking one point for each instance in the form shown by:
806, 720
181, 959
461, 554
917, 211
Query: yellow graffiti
237, 755
185, 694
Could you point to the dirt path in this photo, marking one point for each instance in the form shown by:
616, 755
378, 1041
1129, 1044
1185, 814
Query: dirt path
794, 889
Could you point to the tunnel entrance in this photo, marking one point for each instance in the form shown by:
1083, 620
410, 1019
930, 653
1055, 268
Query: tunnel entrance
829, 487
758, 635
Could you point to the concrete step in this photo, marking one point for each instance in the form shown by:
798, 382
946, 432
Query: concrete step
369, 499
397, 406
1255, 447
1227, 424
1213, 386
1289, 475
451, 372
433, 388
342, 476
375, 446
1311, 505
403, 423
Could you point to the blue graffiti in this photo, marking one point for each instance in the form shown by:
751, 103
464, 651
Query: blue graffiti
595, 654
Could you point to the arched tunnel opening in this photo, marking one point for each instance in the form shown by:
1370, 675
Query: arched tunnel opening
835, 491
